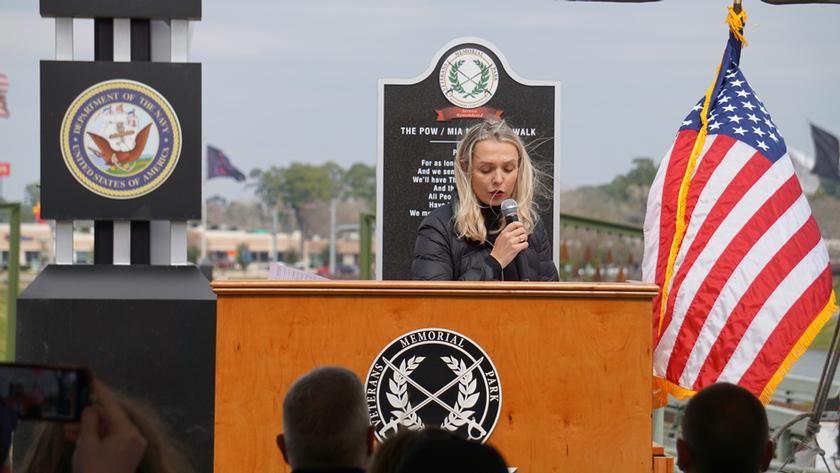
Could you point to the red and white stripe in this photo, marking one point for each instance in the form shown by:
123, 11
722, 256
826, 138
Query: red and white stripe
750, 274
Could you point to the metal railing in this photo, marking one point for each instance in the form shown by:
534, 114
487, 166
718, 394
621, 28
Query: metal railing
621, 229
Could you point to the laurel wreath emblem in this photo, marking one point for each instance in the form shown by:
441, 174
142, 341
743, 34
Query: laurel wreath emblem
398, 395
467, 397
453, 77
480, 87
485, 78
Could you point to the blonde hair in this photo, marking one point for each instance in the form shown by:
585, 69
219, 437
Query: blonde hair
51, 452
469, 222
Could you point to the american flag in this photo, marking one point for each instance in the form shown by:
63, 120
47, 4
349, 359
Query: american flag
744, 275
4, 88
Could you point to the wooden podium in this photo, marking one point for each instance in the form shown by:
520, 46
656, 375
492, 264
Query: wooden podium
573, 360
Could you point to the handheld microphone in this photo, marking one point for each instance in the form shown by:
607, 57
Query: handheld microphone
510, 209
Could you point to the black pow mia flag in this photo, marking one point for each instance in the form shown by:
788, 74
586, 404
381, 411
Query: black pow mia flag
827, 153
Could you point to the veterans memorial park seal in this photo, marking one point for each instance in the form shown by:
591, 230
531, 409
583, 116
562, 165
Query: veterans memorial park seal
433, 377
468, 78
120, 139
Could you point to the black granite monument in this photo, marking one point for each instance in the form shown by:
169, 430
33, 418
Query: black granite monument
421, 121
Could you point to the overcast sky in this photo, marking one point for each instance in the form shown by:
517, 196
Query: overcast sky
297, 81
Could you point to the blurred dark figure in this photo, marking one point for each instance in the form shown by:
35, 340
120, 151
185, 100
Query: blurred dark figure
445, 452
117, 434
724, 430
8, 422
326, 427
387, 457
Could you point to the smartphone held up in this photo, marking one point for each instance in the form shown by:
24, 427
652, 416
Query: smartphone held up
44, 392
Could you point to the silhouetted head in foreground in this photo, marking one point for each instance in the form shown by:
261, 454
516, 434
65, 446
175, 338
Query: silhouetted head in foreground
325, 422
724, 430
448, 453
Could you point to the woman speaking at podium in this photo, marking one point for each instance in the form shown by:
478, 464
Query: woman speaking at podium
470, 239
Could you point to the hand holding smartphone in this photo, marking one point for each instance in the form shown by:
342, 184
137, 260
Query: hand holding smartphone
119, 447
108, 441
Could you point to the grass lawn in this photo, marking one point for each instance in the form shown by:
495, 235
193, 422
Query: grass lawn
823, 339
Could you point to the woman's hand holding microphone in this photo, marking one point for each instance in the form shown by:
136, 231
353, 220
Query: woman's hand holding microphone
510, 242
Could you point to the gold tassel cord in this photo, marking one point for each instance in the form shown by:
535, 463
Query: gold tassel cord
736, 23
680, 228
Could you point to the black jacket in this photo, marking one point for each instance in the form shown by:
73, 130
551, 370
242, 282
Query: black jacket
440, 255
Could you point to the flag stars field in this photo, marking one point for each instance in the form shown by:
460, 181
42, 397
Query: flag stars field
735, 85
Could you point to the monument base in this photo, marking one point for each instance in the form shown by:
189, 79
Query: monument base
147, 331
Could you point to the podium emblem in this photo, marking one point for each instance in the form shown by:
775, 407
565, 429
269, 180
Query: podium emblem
120, 139
433, 377
468, 78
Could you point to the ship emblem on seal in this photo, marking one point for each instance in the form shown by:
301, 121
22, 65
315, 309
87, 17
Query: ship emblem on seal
433, 377
468, 78
120, 139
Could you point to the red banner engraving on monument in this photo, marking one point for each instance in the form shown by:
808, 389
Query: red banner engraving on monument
451, 113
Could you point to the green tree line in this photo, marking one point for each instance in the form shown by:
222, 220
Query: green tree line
293, 187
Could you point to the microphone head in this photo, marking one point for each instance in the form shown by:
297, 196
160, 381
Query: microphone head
510, 208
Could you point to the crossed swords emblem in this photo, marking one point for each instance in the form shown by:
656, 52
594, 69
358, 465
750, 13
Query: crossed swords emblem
473, 425
469, 79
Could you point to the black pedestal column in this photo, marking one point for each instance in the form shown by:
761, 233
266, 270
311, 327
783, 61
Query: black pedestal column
148, 331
